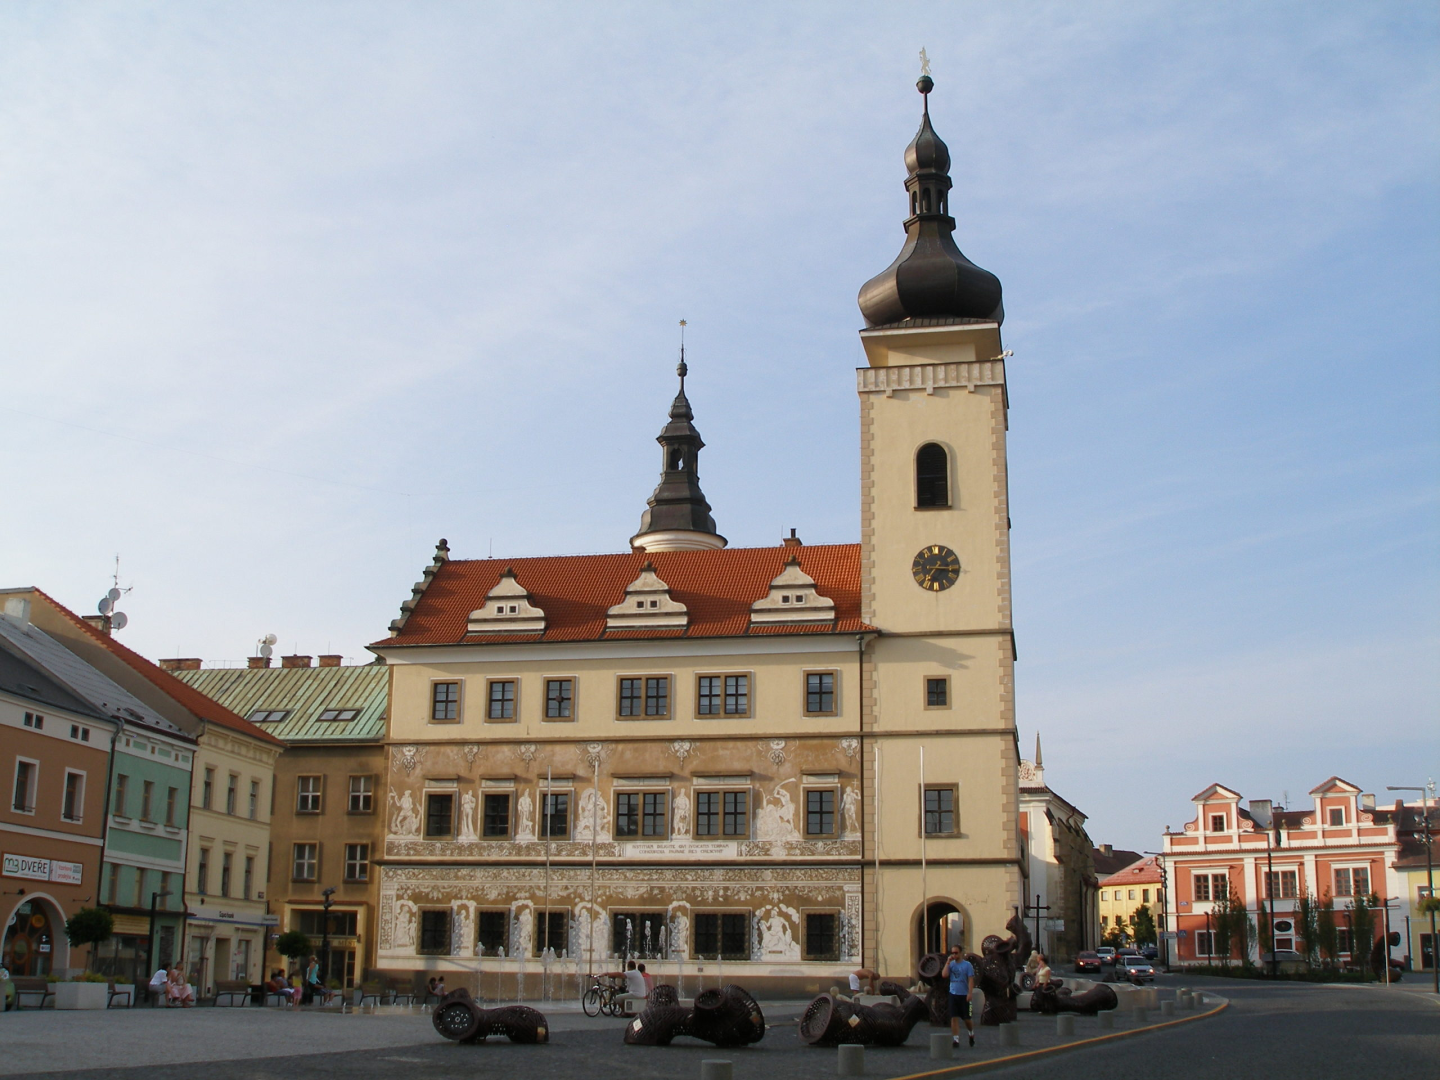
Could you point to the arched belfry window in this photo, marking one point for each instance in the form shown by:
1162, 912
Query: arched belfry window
932, 476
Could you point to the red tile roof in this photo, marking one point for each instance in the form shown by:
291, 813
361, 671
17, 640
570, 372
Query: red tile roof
1142, 872
575, 591
202, 706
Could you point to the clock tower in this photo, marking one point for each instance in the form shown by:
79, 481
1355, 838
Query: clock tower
935, 582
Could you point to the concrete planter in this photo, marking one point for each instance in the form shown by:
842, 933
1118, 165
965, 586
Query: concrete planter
81, 995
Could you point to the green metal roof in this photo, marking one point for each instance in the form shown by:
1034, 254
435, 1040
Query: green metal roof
303, 694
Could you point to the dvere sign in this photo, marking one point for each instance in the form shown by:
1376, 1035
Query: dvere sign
25, 866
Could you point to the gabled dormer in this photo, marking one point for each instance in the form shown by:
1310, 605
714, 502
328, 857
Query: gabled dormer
1337, 803
507, 610
1217, 811
648, 605
793, 600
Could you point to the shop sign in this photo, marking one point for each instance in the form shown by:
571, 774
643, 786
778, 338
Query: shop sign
24, 866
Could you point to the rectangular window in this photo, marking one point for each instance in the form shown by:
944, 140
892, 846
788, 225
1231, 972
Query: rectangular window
725, 935
820, 812
555, 816
307, 798
492, 931
820, 693
357, 862
34, 720
737, 695
657, 696
708, 696
940, 811
435, 932
559, 698
231, 793
937, 693
500, 699
630, 702
147, 798
637, 934
1204, 943
1342, 939
1132, 894
439, 816
1342, 883
654, 822
268, 716
1337, 816
627, 813
172, 803
496, 819
122, 786
306, 862
1282, 884
1217, 822
362, 795
249, 881
227, 860
550, 927
822, 939
722, 813
73, 805
254, 806
444, 701
1209, 887
338, 716
207, 789
202, 872
737, 813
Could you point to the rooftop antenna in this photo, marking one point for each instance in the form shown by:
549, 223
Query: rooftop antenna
114, 620
267, 646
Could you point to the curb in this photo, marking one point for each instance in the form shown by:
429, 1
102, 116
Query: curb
1030, 1055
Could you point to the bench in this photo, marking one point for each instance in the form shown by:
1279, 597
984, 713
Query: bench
117, 991
231, 988
31, 986
396, 992
634, 1004
372, 990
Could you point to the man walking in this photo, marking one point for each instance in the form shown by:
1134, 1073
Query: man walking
962, 985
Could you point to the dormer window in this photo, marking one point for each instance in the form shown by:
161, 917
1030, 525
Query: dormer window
1217, 822
507, 610
792, 588
1337, 817
647, 605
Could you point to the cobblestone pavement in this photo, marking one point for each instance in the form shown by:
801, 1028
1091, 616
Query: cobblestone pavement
1275, 1032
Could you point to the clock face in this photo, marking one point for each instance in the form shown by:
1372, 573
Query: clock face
936, 568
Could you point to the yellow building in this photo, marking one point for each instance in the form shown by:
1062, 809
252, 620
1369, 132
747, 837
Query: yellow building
1122, 893
785, 760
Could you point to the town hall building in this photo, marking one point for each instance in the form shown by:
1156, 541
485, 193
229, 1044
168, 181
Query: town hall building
778, 762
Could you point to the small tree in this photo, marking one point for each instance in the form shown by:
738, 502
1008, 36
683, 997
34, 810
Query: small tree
292, 945
1307, 920
1262, 928
1362, 930
1144, 924
1326, 939
89, 926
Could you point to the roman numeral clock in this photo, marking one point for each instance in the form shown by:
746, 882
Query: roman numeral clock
936, 568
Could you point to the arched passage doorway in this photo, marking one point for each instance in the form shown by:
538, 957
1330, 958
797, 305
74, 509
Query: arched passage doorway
939, 926
34, 938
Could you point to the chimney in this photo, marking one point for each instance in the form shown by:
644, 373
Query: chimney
330, 659
792, 540
256, 663
183, 663
1107, 850
1260, 810
99, 622
1367, 802
18, 608
294, 661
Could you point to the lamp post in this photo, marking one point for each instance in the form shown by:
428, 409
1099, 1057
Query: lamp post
153, 897
329, 895
1164, 905
1425, 793
1271, 827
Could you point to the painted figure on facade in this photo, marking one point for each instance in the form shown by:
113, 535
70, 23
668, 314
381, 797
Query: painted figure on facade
525, 817
404, 925
776, 819
405, 820
682, 814
467, 817
851, 807
592, 818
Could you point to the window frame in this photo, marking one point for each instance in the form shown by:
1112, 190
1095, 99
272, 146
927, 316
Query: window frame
427, 915
232, 793
253, 805
314, 861
1330, 813
172, 805
949, 500
645, 679
227, 871
719, 914
458, 703
147, 800
202, 872
357, 857
944, 680
545, 818
513, 681
509, 797
78, 803
351, 794
834, 790
301, 793
722, 815
428, 796
808, 953
805, 676
1224, 820
1285, 875
954, 790
207, 789
121, 796
546, 682
482, 933
723, 697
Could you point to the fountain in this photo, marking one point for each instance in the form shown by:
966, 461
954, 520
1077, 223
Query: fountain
645, 942
629, 939
547, 961
479, 970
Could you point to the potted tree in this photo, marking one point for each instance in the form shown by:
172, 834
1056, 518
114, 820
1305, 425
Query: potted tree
88, 926
295, 946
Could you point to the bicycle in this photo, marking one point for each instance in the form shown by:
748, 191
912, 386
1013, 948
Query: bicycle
603, 998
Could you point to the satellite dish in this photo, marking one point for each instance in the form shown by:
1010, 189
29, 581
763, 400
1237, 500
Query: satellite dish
106, 605
269, 639
266, 651
113, 595
119, 620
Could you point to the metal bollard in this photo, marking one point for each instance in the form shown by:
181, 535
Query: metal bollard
1065, 1025
1107, 1021
941, 1046
1142, 1016
1010, 1034
850, 1060
1167, 1008
712, 1069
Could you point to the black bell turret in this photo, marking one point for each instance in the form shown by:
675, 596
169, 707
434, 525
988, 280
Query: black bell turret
678, 517
930, 278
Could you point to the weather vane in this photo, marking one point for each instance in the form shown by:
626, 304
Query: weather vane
924, 63
682, 369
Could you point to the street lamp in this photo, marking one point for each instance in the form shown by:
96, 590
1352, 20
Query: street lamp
1425, 793
153, 897
329, 895
1164, 905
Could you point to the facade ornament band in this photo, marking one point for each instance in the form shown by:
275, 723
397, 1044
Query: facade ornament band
682, 748
849, 747
408, 757
593, 754
472, 751
526, 752
776, 750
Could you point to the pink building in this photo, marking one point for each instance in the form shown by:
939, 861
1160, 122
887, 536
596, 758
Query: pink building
1340, 847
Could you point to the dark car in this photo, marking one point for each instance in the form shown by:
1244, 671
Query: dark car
1134, 968
1150, 952
1087, 961
1123, 952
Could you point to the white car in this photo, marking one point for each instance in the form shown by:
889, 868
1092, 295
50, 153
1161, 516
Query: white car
1136, 969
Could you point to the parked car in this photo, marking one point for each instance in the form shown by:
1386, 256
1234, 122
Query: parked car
1124, 951
1087, 961
1135, 968
1150, 952
1106, 954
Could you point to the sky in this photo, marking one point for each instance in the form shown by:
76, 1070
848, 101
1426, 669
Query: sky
291, 291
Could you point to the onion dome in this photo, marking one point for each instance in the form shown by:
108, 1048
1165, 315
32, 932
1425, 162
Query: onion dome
930, 278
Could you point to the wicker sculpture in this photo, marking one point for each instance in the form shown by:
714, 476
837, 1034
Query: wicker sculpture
937, 999
996, 972
664, 994
726, 1017
1051, 998
830, 1021
458, 1017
